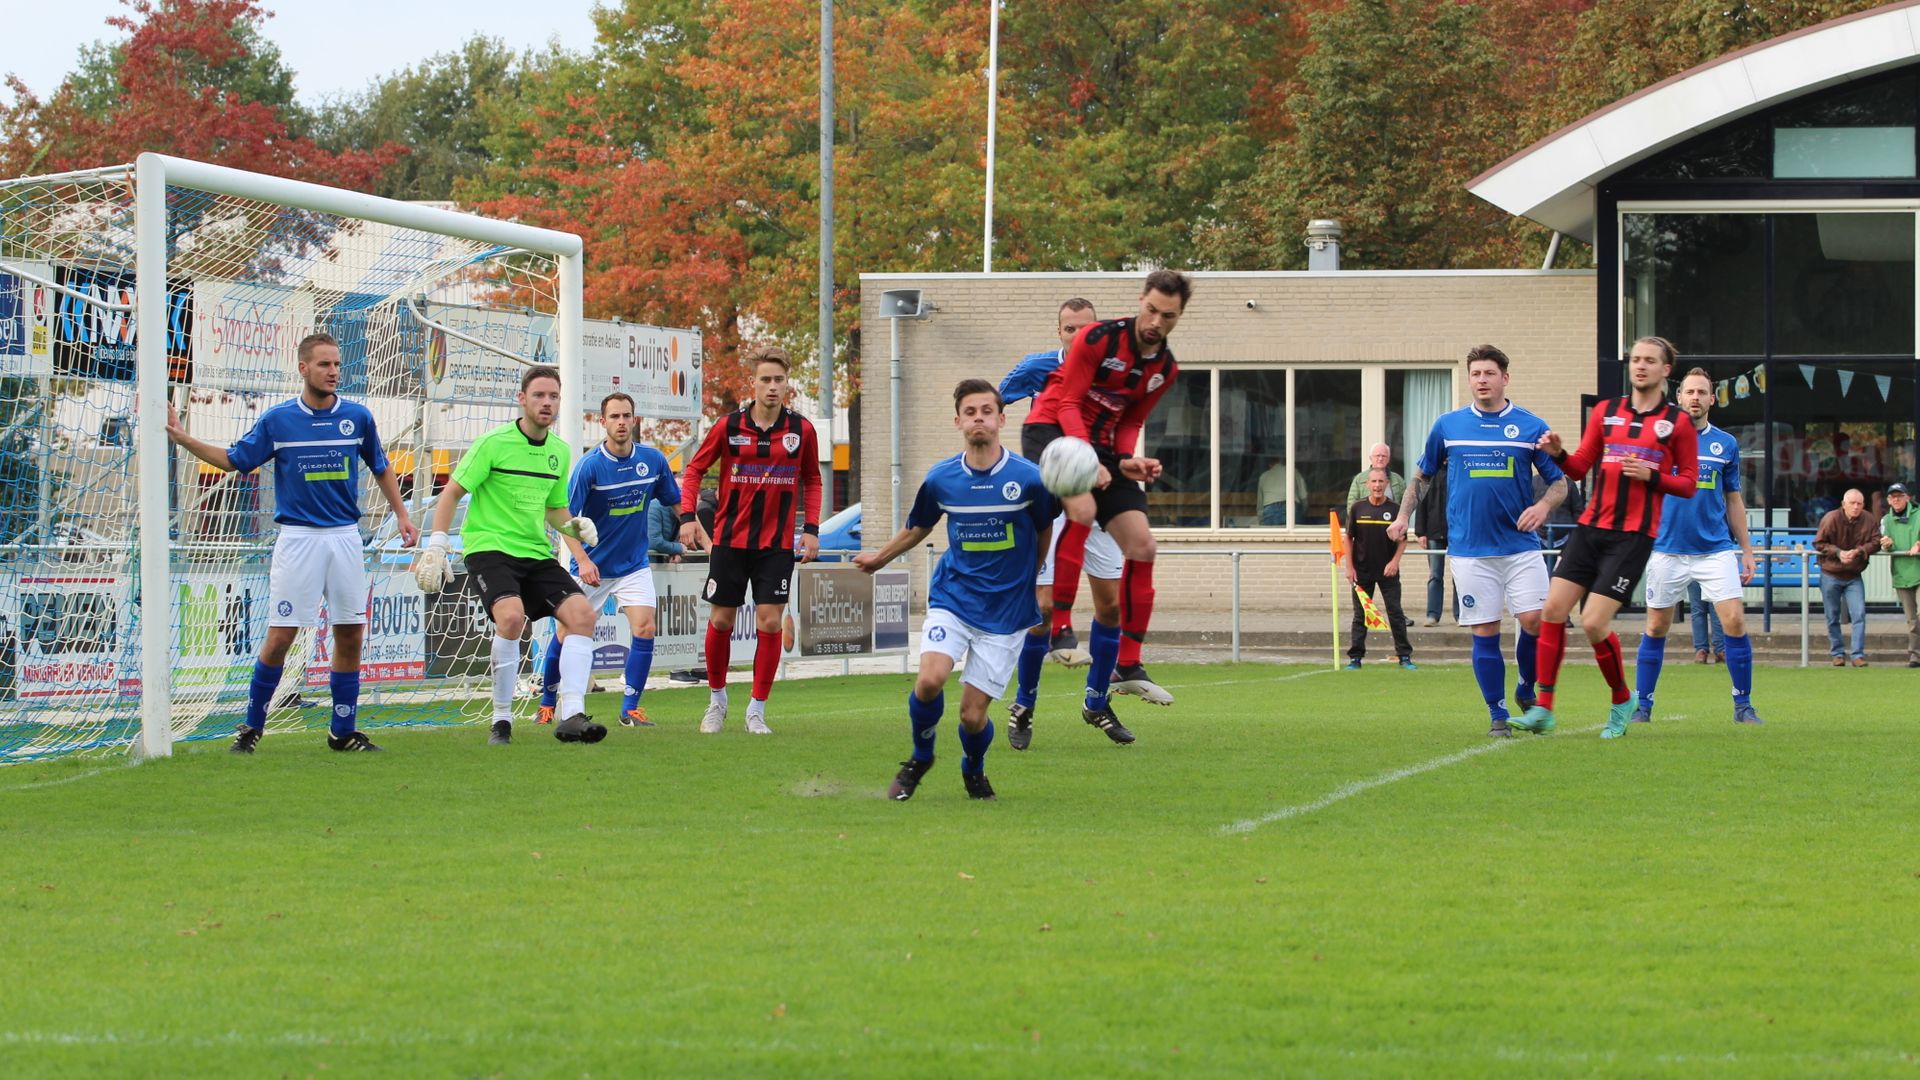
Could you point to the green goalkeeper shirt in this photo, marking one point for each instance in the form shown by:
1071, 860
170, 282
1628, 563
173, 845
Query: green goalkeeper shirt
514, 481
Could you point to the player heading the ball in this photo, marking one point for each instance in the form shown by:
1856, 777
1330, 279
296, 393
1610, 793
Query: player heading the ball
980, 603
517, 474
317, 443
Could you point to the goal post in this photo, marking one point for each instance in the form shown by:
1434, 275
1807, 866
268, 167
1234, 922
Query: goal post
155, 256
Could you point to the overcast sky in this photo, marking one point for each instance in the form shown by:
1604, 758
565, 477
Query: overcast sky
332, 46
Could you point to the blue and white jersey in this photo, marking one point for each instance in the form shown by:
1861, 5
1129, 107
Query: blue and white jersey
994, 522
1698, 526
1029, 376
614, 492
1490, 460
316, 481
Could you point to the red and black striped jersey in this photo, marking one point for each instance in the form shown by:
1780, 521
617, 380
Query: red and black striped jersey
1617, 434
1103, 390
766, 474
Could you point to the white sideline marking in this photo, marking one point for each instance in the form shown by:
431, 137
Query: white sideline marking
67, 779
1356, 787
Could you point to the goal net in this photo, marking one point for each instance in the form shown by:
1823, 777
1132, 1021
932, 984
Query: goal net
102, 520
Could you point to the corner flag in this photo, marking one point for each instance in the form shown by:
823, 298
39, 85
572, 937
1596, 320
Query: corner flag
1337, 544
1373, 620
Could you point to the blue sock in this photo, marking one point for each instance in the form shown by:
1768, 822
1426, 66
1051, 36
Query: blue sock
639, 666
550, 674
1653, 653
1103, 644
973, 749
260, 694
925, 716
1033, 656
1490, 671
1524, 651
346, 701
1740, 667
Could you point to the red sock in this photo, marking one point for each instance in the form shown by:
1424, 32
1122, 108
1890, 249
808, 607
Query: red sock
719, 642
1547, 653
1608, 654
1136, 609
766, 663
1069, 557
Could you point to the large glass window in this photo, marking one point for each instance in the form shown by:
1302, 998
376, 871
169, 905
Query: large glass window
1698, 280
1253, 448
1843, 284
1415, 399
1328, 443
1859, 131
1838, 426
1179, 432
1739, 409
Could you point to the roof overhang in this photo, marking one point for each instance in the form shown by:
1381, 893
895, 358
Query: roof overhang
1553, 181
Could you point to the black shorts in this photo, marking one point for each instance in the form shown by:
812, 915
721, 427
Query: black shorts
729, 569
541, 584
1109, 502
1607, 562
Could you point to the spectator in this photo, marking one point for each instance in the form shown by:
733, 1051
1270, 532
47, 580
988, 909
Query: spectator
662, 525
1430, 528
1709, 641
1377, 458
1846, 538
1900, 534
1271, 493
1374, 560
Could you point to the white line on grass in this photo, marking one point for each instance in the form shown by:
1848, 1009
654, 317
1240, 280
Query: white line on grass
66, 779
1356, 787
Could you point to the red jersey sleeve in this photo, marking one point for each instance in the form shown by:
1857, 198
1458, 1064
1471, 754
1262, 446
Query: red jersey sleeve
703, 459
809, 475
1127, 435
1592, 448
1682, 480
1077, 369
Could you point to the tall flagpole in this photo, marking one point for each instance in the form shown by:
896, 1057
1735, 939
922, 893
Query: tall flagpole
826, 247
993, 102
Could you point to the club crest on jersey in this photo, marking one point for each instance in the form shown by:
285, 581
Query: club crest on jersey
1511, 431
1715, 448
938, 633
791, 440
1663, 428
553, 461
641, 470
1154, 383
346, 427
1011, 491
710, 585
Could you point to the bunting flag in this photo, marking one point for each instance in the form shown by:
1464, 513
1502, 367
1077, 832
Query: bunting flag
1374, 620
1885, 383
1760, 378
1846, 381
1806, 372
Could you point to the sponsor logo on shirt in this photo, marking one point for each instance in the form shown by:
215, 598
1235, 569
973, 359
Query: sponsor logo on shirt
1114, 363
740, 440
1610, 421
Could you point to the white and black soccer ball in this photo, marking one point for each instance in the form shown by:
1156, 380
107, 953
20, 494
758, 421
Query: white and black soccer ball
1069, 467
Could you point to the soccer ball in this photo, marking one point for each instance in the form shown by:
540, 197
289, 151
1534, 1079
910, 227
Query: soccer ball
1068, 466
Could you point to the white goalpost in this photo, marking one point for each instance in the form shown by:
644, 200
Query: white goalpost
126, 289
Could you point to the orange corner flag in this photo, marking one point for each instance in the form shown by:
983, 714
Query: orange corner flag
1336, 537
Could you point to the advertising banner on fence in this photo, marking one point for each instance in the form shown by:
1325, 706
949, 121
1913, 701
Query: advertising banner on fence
219, 620
26, 324
93, 342
63, 636
395, 648
247, 337
461, 371
656, 366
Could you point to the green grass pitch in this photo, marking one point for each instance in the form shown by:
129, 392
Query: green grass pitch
1698, 899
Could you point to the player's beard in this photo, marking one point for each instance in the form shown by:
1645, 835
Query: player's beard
979, 440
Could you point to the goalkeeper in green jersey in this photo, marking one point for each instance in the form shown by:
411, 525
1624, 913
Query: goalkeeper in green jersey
517, 474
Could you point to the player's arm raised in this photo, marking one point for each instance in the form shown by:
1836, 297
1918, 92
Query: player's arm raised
1592, 447
903, 541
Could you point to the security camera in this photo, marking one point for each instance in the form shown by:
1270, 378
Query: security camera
1251, 304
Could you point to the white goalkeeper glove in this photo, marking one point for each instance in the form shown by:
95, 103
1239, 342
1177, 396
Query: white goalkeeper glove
432, 570
582, 529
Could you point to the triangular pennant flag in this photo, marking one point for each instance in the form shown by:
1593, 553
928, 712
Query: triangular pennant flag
1806, 372
1336, 537
1374, 620
1885, 383
1846, 380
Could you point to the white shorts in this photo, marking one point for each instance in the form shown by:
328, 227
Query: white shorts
1669, 575
1103, 554
989, 658
628, 590
314, 564
1517, 582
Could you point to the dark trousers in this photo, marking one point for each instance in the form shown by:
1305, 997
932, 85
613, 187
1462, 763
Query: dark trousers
1390, 598
1437, 589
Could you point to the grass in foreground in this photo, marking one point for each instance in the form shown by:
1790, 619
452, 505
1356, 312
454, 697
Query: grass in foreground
1697, 899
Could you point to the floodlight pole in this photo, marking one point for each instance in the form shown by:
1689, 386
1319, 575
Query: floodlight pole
993, 102
826, 248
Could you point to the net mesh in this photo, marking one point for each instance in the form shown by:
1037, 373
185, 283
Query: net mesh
247, 280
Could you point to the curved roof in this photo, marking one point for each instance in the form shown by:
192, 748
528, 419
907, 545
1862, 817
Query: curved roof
1552, 181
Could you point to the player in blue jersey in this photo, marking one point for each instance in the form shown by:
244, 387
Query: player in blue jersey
1703, 539
980, 604
317, 442
613, 484
1489, 452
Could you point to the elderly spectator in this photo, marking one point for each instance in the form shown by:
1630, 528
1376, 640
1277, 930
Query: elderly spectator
1377, 458
1846, 538
1900, 534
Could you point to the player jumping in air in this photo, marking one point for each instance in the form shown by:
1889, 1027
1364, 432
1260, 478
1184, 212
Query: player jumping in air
1639, 448
518, 476
1490, 451
769, 474
612, 485
1703, 539
1106, 385
980, 603
314, 442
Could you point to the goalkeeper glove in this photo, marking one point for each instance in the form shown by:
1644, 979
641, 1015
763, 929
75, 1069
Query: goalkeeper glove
582, 529
432, 570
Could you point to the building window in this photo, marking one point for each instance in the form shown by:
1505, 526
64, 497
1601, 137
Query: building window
1843, 284
1837, 426
1253, 448
1698, 280
1179, 432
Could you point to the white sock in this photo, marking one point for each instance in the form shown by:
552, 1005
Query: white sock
506, 672
717, 697
576, 664
756, 707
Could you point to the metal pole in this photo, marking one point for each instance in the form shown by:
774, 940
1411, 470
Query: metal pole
1236, 607
826, 247
155, 562
993, 111
893, 430
1804, 570
569, 343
